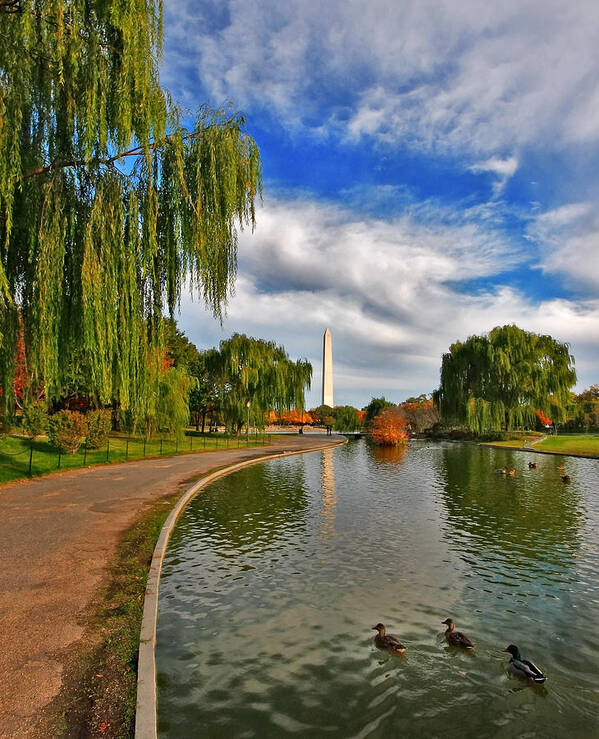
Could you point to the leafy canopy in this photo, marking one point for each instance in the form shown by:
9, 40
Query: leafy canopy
260, 373
108, 204
500, 380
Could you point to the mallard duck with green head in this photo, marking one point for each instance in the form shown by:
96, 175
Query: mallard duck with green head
524, 668
456, 638
387, 641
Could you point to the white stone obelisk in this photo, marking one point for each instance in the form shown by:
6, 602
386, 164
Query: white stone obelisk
327, 369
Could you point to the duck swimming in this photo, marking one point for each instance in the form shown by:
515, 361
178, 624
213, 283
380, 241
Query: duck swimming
522, 667
387, 641
456, 638
565, 478
532, 465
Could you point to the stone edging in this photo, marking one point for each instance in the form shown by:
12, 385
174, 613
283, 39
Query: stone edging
145, 712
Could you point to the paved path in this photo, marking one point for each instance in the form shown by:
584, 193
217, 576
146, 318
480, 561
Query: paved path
58, 535
538, 440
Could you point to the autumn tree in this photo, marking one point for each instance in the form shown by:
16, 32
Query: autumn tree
376, 406
420, 412
256, 376
108, 203
390, 427
500, 380
294, 417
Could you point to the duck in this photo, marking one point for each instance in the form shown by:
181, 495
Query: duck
387, 641
532, 465
565, 478
512, 473
523, 667
502, 471
456, 638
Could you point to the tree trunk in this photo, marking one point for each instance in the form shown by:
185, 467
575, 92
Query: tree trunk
203, 419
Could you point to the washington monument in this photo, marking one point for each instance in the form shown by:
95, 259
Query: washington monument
327, 369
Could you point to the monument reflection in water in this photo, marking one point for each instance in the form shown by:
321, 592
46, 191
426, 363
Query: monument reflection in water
329, 493
275, 575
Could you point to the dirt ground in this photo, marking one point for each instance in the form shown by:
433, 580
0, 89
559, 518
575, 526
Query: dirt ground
57, 536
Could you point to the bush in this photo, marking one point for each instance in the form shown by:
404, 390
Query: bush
389, 428
66, 430
35, 419
99, 424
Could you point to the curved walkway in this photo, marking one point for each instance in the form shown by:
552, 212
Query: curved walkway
58, 535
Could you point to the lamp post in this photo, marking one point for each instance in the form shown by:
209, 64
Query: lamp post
247, 428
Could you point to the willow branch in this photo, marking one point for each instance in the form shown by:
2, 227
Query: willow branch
101, 162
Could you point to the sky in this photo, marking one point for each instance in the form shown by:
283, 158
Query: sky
430, 172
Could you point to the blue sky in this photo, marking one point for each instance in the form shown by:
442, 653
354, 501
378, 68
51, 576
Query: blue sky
430, 172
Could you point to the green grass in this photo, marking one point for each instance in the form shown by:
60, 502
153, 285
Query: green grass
575, 444
512, 443
15, 452
570, 444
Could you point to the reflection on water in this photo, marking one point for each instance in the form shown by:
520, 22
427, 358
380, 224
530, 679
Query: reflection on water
329, 494
275, 575
389, 454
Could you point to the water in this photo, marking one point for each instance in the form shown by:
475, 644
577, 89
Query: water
275, 575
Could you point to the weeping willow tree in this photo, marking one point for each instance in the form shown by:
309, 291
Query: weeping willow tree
256, 376
498, 381
108, 204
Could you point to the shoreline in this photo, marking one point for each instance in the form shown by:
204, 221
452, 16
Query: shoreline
65, 543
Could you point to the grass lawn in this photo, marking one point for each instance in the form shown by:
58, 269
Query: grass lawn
571, 444
518, 443
578, 444
15, 452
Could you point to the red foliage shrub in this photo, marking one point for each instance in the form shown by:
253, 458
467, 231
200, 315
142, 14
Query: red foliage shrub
389, 428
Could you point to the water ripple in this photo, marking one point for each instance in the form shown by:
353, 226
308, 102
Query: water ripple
275, 575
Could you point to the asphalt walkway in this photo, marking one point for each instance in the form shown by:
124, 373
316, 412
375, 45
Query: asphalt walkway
58, 535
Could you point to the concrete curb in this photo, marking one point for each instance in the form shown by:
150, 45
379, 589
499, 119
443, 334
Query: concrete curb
145, 712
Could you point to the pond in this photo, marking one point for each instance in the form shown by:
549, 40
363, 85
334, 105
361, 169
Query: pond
275, 575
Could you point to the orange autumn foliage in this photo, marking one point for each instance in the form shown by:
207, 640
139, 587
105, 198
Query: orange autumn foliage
543, 418
295, 417
389, 428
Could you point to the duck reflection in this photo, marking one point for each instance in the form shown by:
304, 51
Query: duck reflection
329, 494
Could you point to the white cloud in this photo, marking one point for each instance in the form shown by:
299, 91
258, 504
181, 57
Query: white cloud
503, 169
459, 76
569, 239
386, 290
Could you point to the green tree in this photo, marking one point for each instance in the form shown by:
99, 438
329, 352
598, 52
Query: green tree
376, 406
180, 351
260, 373
346, 418
204, 396
323, 415
500, 380
107, 202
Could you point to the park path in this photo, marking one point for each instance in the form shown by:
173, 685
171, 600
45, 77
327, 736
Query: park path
58, 535
532, 442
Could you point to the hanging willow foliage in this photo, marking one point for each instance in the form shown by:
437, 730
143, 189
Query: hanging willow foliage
108, 205
499, 381
260, 373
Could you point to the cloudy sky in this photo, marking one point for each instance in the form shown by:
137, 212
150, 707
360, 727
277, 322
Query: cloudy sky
430, 172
